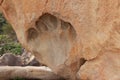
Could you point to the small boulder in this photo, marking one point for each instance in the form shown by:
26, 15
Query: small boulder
9, 59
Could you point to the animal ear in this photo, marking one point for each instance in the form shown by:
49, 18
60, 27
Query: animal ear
8, 9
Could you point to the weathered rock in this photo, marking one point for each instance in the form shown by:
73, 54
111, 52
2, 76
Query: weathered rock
63, 34
104, 67
9, 59
29, 59
28, 73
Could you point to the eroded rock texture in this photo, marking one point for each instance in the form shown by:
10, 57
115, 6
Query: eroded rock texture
77, 39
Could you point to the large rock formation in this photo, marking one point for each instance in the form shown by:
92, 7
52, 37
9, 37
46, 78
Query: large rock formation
77, 39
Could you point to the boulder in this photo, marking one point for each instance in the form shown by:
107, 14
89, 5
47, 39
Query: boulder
9, 59
77, 39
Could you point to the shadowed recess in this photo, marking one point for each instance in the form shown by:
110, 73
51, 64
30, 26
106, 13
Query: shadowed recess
52, 37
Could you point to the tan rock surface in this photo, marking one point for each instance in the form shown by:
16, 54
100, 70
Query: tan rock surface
64, 33
104, 67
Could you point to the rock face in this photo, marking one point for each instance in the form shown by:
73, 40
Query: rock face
77, 39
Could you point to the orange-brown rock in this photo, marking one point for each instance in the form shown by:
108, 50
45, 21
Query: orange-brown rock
65, 34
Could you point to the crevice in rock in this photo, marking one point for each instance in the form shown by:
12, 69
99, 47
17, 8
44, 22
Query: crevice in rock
82, 61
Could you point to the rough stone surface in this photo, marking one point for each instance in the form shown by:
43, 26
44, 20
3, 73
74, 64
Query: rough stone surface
65, 34
9, 59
